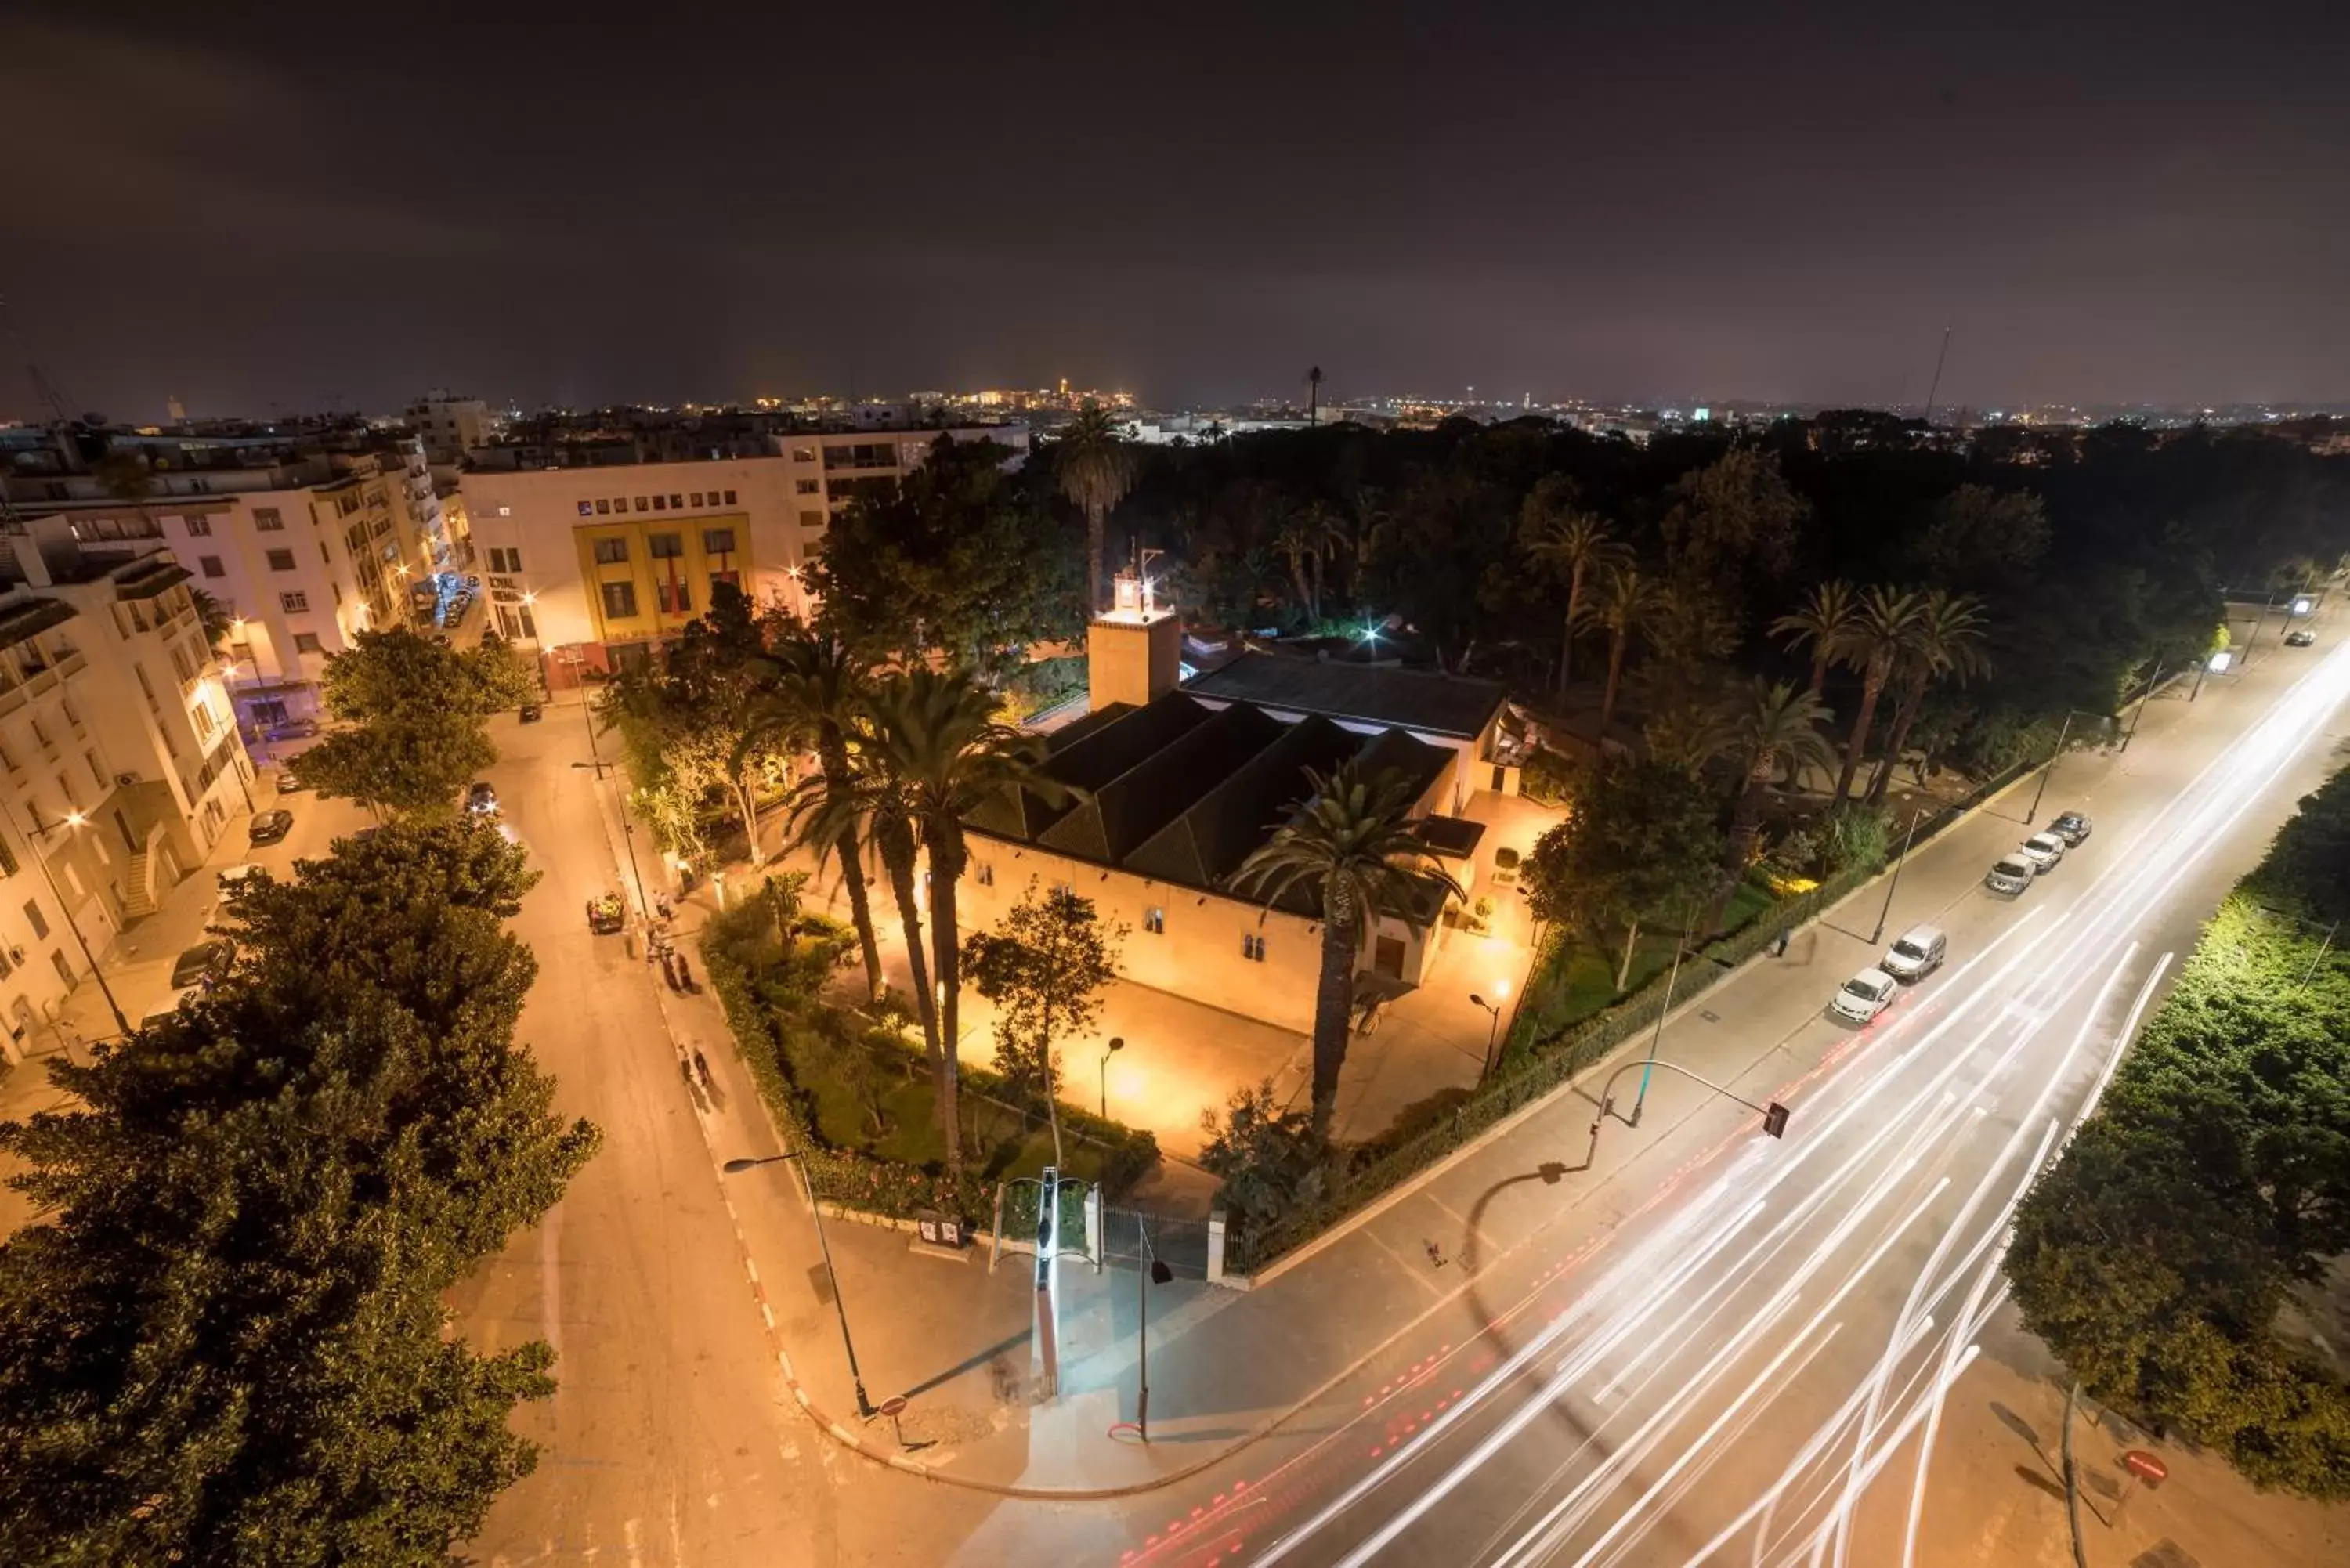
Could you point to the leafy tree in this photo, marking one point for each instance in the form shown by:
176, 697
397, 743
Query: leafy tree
1981, 538
230, 1342
1941, 640
1095, 469
1642, 842
1270, 1161
396, 674
1763, 728
1878, 637
414, 765
1823, 625
1571, 543
1731, 523
1044, 967
1355, 849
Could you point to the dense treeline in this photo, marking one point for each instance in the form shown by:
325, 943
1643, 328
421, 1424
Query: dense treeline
2160, 1260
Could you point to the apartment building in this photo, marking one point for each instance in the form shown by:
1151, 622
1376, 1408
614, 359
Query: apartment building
592, 552
450, 426
304, 537
121, 766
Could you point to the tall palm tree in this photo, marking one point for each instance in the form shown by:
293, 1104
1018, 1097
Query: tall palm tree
937, 734
1622, 607
1942, 640
1295, 541
1766, 726
1096, 469
819, 691
1571, 543
1314, 395
1327, 538
1824, 623
1876, 638
1356, 848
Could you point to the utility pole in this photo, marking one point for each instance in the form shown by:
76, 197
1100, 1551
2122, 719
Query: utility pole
1900, 860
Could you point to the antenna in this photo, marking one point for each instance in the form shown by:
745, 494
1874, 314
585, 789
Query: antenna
1936, 386
43, 387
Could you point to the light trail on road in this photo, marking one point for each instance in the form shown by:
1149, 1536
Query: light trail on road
1701, 1300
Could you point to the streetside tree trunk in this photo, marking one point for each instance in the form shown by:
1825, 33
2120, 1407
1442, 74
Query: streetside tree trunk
1566, 633
1334, 1005
746, 799
898, 855
946, 854
1095, 516
1872, 687
1905, 714
835, 759
1624, 965
1616, 641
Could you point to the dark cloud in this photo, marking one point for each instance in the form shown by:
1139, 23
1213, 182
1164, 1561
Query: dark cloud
256, 206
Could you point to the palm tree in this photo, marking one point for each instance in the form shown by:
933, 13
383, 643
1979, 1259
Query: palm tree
1296, 542
1941, 642
820, 692
938, 736
1326, 538
1314, 395
1624, 601
1356, 848
1876, 638
1824, 623
1765, 727
1571, 543
1096, 469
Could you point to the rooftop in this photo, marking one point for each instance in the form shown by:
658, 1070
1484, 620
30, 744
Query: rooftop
1449, 705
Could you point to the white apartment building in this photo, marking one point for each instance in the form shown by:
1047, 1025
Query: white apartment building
450, 426
588, 562
121, 766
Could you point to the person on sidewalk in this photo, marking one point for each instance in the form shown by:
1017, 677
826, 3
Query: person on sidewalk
1779, 949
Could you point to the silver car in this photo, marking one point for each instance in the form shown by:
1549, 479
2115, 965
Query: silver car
2012, 874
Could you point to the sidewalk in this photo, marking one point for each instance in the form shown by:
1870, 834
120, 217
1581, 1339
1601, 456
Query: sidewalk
1441, 1257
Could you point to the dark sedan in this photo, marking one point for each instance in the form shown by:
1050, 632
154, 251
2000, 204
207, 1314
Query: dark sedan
270, 826
204, 958
2071, 826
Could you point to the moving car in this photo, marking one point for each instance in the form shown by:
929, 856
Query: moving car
1864, 996
205, 960
532, 713
294, 730
2071, 826
2012, 874
2044, 850
1918, 954
271, 826
481, 800
2300, 636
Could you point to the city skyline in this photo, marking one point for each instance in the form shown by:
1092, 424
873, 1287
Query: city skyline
256, 218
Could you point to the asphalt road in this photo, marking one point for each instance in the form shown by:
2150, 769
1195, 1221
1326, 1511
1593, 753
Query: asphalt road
1751, 1354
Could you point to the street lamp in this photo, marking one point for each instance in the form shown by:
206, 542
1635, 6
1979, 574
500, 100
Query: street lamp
816, 1211
1493, 1030
42, 830
627, 829
2049, 769
1150, 1271
2216, 663
1117, 1043
1899, 860
2145, 696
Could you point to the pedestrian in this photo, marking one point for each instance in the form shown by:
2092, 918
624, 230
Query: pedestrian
684, 975
1781, 948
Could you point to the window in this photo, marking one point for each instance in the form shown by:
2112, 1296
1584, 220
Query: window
718, 541
799, 454
811, 519
294, 603
611, 551
202, 714
665, 547
641, 504
732, 579
7, 860
807, 486
326, 560
211, 566
41, 922
677, 502
730, 498
1253, 948
198, 528
621, 600
983, 873
586, 509
697, 500
281, 560
307, 642
676, 598
1154, 920
267, 520
603, 509
660, 503
57, 962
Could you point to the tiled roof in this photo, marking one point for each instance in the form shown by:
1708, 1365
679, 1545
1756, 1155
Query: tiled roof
1448, 705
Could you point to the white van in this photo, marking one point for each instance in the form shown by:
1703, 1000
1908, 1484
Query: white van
1918, 954
2012, 874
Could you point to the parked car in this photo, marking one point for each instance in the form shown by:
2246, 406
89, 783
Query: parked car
2300, 636
205, 960
1917, 953
481, 800
288, 785
2071, 826
1864, 996
244, 871
532, 713
2012, 873
2044, 850
271, 826
294, 730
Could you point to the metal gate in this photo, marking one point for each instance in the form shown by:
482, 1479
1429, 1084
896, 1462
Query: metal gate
1180, 1244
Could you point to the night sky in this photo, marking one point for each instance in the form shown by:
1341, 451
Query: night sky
275, 208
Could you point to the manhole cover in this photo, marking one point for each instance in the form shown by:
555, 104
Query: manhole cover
1710, 1015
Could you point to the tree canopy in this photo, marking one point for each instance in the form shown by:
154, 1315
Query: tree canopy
413, 712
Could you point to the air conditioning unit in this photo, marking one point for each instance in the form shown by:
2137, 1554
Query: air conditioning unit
124, 781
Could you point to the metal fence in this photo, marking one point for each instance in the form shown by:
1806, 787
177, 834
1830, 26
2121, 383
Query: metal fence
1180, 1244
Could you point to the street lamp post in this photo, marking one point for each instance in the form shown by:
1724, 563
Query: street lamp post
2054, 757
627, 829
816, 1211
1117, 1043
1657, 1035
1493, 1030
2145, 696
42, 830
1774, 1115
1150, 1271
1885, 910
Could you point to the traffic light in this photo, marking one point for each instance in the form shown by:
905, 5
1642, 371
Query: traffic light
1774, 1120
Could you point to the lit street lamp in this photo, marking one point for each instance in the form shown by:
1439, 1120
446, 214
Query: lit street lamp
816, 1211
1493, 1032
1117, 1043
42, 830
2049, 769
